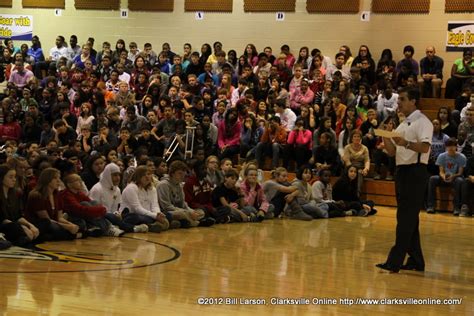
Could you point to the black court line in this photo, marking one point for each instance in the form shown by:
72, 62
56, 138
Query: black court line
176, 255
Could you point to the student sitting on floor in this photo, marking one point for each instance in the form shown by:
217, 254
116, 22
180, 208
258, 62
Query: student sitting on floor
322, 194
107, 193
283, 195
345, 189
140, 203
254, 198
213, 174
227, 196
79, 205
44, 209
172, 200
304, 197
451, 168
16, 228
198, 193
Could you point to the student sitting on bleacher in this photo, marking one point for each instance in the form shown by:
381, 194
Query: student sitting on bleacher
437, 146
451, 167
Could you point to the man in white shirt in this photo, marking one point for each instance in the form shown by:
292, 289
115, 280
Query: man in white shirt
58, 51
412, 152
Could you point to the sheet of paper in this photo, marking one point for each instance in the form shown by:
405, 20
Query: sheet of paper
387, 134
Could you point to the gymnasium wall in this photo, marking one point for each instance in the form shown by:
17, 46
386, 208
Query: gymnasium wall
324, 31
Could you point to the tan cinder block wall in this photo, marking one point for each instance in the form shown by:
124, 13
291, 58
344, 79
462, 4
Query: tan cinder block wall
236, 29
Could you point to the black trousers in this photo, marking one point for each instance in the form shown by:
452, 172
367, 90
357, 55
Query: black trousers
410, 183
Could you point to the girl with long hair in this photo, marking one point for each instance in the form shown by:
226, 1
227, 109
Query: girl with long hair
45, 209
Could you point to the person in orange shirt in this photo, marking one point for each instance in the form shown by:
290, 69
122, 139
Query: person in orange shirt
338, 107
272, 142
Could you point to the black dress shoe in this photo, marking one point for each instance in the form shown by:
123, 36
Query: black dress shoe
387, 267
411, 266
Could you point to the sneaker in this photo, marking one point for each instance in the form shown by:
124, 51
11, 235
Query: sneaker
260, 216
207, 222
363, 212
430, 210
4, 243
142, 228
349, 213
114, 231
389, 178
456, 212
300, 216
377, 176
464, 211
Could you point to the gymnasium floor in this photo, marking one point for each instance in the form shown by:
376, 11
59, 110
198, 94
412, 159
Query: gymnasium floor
166, 274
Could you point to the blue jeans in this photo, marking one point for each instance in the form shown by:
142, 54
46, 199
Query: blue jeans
313, 209
117, 221
437, 181
249, 209
137, 219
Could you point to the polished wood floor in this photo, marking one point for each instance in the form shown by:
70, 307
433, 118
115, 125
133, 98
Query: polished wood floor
165, 274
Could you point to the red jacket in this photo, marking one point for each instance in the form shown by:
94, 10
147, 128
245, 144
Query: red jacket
72, 205
198, 195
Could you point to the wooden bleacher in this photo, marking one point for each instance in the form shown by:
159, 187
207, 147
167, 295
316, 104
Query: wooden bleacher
430, 106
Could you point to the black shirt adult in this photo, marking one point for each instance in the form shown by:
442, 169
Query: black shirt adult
432, 66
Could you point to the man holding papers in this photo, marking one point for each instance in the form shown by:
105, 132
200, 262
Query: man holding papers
410, 144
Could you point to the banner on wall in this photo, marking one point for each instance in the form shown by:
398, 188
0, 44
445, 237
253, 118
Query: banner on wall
460, 35
16, 27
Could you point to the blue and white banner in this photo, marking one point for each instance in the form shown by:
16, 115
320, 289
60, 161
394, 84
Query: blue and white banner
460, 35
16, 27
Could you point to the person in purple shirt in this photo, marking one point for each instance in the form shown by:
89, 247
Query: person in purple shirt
20, 76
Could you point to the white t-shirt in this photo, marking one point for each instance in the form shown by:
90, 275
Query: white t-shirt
125, 77
57, 53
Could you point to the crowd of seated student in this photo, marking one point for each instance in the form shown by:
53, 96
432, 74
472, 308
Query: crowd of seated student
79, 110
